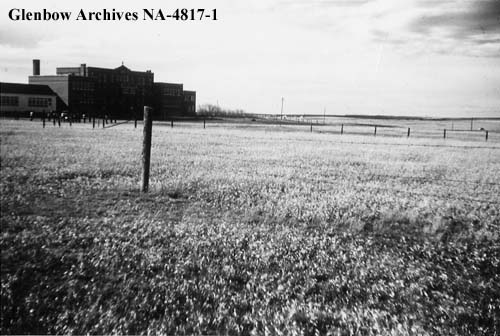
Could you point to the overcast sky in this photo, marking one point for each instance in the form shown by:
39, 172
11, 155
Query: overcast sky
398, 57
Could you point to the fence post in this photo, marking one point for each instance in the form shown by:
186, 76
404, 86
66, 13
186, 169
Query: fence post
486, 135
408, 132
135, 122
203, 123
375, 132
59, 121
311, 126
342, 129
444, 134
69, 122
93, 122
146, 147
104, 122
54, 120
43, 120
171, 124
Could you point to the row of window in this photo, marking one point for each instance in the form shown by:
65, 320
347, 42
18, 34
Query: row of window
9, 101
39, 102
86, 86
171, 92
111, 78
32, 101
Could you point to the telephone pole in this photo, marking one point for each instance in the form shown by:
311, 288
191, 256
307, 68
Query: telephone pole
282, 99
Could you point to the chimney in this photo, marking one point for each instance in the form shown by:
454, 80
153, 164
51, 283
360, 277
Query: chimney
83, 70
36, 67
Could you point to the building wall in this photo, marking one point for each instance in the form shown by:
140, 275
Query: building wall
68, 71
82, 96
76, 93
189, 107
58, 84
168, 101
22, 104
122, 93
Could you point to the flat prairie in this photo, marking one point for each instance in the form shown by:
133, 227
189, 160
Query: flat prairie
249, 229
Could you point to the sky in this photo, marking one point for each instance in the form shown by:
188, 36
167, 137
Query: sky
435, 58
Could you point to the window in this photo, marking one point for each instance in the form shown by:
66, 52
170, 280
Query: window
39, 102
9, 101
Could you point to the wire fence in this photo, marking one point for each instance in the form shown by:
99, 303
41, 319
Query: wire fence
489, 130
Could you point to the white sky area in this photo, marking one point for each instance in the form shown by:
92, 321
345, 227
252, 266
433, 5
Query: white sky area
390, 57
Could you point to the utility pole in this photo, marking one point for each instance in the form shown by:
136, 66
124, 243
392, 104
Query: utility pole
282, 99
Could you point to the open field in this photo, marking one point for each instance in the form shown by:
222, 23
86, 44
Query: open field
248, 230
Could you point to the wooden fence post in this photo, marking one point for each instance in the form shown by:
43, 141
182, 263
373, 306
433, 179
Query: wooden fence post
203, 123
408, 132
146, 147
43, 120
342, 129
444, 134
375, 131
59, 121
486, 135
93, 122
311, 126
104, 122
171, 124
135, 122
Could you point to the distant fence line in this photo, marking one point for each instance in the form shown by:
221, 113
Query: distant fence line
332, 128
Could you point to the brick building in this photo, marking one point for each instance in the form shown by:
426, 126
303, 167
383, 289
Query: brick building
118, 93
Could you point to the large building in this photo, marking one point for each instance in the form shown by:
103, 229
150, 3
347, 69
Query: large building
21, 100
118, 93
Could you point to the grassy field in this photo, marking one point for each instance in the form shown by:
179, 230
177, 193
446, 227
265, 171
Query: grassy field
247, 230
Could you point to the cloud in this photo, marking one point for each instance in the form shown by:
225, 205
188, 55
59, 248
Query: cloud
19, 39
338, 3
481, 17
325, 3
477, 22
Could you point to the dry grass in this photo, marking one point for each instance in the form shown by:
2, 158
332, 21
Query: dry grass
247, 231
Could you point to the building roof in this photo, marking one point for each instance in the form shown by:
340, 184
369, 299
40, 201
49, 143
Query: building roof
122, 69
26, 89
168, 84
